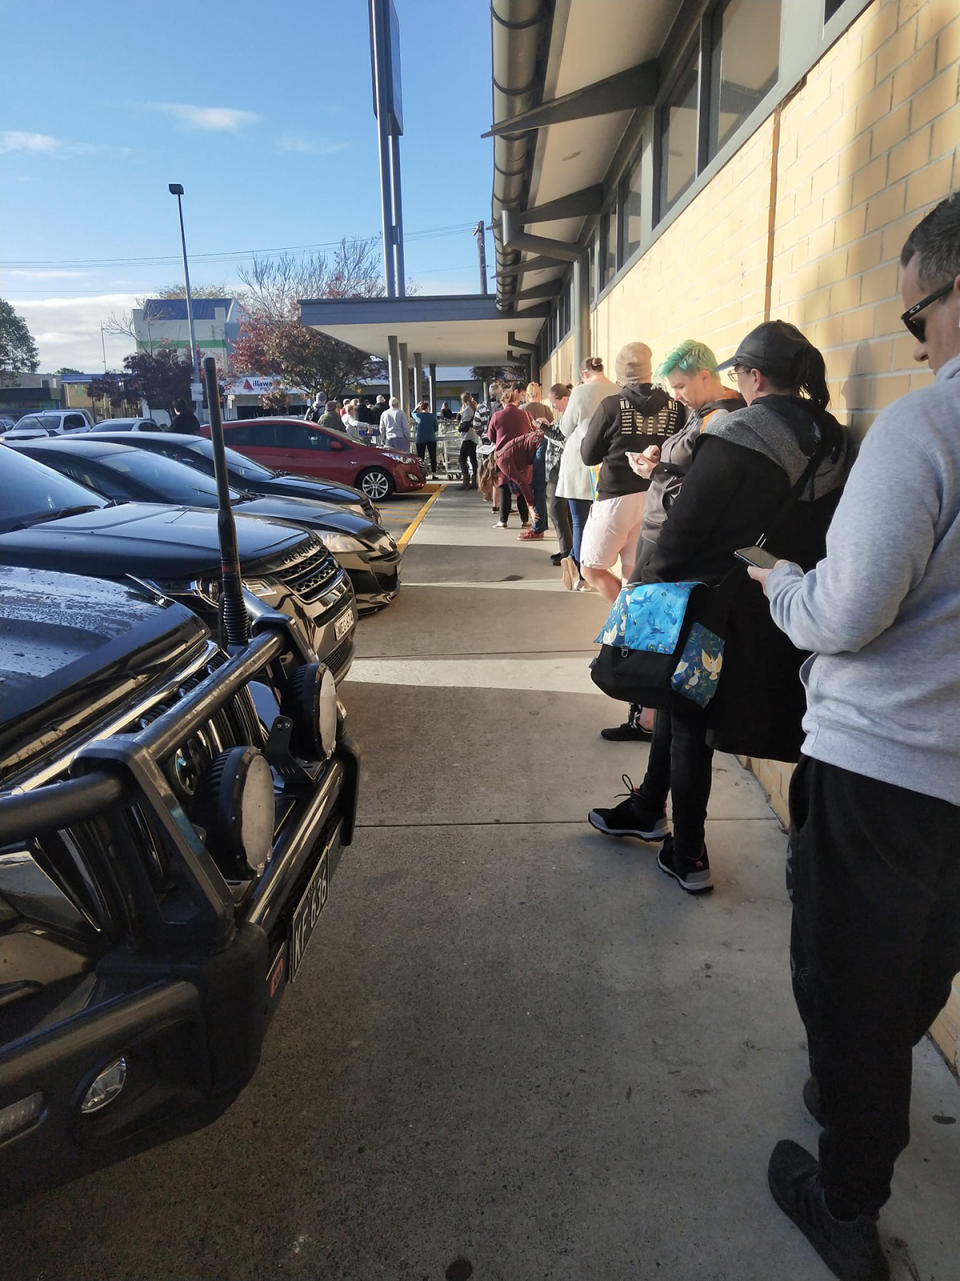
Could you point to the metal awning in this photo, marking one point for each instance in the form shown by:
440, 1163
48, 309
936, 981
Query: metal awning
447, 329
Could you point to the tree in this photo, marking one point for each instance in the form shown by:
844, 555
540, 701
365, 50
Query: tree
158, 377
301, 357
273, 340
108, 387
500, 373
66, 371
18, 351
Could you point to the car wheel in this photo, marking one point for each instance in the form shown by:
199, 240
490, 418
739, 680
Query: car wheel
375, 483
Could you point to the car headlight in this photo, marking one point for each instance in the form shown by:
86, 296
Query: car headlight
234, 804
397, 458
208, 587
311, 703
341, 543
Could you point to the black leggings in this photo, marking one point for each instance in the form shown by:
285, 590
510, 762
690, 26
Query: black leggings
468, 455
522, 507
432, 446
681, 763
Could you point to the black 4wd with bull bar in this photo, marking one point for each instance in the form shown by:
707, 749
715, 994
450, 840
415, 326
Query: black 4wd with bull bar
171, 812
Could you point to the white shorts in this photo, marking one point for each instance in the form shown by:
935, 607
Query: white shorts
612, 531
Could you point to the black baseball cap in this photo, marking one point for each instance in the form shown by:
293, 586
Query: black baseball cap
771, 345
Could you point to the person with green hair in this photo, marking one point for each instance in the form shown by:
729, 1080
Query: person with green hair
691, 370
777, 465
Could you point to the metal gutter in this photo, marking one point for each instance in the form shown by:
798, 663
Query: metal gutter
518, 28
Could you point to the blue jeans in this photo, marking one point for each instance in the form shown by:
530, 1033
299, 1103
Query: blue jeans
579, 511
540, 487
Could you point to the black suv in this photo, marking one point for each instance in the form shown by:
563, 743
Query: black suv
50, 522
168, 831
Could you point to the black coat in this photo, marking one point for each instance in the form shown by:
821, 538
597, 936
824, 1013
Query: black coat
185, 424
732, 495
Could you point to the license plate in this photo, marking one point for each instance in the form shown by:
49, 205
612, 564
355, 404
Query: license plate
342, 625
306, 916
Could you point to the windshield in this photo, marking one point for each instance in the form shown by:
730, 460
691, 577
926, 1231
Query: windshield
170, 481
245, 468
32, 491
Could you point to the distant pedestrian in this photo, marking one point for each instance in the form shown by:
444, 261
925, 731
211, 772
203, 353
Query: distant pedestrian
315, 412
469, 440
509, 421
394, 428
426, 435
184, 420
574, 482
330, 418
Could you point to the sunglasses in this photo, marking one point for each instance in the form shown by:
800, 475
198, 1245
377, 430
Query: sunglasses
918, 327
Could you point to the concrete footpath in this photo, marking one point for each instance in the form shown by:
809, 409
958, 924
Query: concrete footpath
518, 1051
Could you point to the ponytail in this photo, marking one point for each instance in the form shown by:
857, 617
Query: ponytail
810, 376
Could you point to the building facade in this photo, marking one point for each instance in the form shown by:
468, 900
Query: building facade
779, 155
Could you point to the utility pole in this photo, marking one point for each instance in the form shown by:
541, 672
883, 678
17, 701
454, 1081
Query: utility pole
480, 232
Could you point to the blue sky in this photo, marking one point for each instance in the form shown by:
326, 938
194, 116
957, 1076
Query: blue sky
264, 114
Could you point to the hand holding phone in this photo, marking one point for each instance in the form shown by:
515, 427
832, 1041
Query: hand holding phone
759, 557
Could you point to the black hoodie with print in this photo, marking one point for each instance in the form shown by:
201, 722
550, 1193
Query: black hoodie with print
640, 415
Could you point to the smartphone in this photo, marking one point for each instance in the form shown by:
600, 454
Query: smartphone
758, 556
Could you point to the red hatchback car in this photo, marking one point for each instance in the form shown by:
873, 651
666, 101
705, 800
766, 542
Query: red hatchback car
295, 445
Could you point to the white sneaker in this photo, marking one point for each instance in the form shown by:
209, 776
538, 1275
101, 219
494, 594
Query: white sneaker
501, 524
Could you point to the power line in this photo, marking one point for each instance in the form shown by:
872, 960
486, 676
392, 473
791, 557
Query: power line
160, 260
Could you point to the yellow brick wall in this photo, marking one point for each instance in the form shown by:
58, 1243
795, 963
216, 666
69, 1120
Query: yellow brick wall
867, 145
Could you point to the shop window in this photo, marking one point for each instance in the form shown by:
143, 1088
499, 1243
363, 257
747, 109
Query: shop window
744, 63
632, 226
608, 246
678, 135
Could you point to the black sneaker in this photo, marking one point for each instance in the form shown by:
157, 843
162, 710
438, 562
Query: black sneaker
812, 1100
557, 557
629, 818
692, 874
628, 732
850, 1249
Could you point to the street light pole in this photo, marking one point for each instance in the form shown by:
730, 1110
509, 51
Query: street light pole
176, 189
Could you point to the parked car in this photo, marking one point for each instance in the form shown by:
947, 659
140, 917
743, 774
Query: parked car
6, 424
55, 422
126, 473
167, 843
292, 444
48, 521
244, 473
127, 424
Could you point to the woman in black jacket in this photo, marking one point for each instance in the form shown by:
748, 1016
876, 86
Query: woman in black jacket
740, 486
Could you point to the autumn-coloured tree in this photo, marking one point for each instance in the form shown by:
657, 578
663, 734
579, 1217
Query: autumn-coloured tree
159, 377
273, 341
108, 387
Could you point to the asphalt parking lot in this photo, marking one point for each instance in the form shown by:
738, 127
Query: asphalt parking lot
516, 1051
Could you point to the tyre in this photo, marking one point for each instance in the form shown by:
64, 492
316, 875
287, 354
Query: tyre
376, 483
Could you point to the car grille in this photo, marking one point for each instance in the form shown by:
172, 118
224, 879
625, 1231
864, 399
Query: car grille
310, 572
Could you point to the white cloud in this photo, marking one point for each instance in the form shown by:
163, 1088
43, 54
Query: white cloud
67, 330
221, 119
44, 143
311, 146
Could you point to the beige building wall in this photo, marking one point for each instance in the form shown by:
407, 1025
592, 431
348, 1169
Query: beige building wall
805, 223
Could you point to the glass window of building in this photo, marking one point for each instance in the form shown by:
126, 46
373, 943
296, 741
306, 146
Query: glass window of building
608, 246
744, 63
630, 207
678, 136
592, 270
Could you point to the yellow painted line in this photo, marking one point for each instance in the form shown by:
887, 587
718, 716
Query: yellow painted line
411, 529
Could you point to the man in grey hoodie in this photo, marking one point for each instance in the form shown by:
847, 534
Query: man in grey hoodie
874, 860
